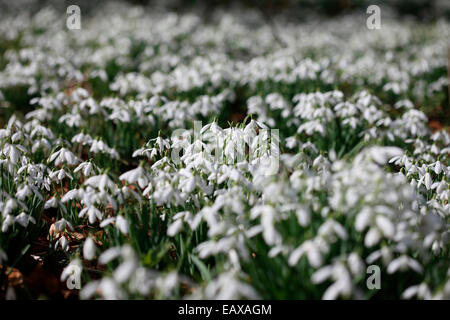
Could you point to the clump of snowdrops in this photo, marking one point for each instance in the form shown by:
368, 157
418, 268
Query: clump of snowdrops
99, 139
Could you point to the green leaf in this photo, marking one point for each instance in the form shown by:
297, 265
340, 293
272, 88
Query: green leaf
204, 272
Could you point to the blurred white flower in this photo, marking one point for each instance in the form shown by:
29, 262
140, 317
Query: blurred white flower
89, 249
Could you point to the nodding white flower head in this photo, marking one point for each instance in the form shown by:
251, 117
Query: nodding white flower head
404, 263
110, 254
372, 237
62, 224
438, 167
63, 156
107, 221
74, 268
267, 214
136, 175
24, 192
428, 181
381, 155
98, 146
79, 94
92, 212
89, 290
175, 228
71, 194
102, 182
7, 222
55, 203
87, 168
110, 289
23, 219
9, 206
342, 286
355, 264
420, 291
312, 251
89, 249
63, 243
125, 270
122, 224
226, 286
331, 230
59, 175
16, 137
82, 138
13, 152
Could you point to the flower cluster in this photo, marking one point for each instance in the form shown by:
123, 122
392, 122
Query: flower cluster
170, 157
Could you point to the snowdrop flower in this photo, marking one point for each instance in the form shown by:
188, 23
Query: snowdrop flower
355, 264
59, 175
23, 219
428, 181
330, 229
98, 146
7, 222
420, 291
147, 152
124, 271
89, 249
311, 250
403, 263
372, 237
208, 248
109, 255
79, 94
382, 154
71, 195
92, 212
279, 249
438, 167
162, 144
107, 221
122, 224
136, 175
385, 253
86, 168
55, 203
74, 268
102, 182
16, 137
291, 142
110, 290
82, 138
267, 213
175, 228
10, 205
62, 224
404, 104
343, 282
23, 192
71, 120
89, 290
90, 104
385, 226
167, 283
63, 243
228, 286
63, 156
13, 153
